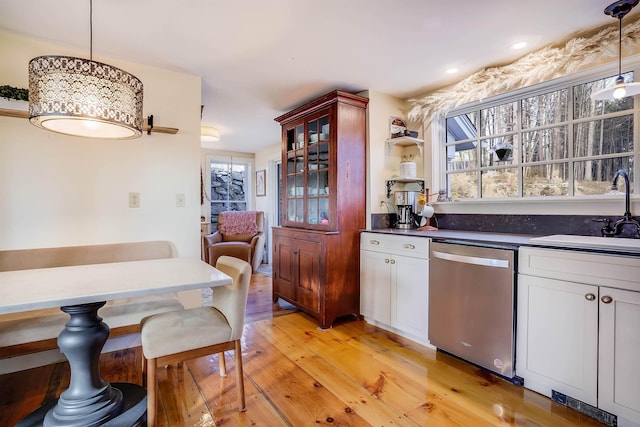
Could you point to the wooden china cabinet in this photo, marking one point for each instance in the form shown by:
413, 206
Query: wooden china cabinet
316, 251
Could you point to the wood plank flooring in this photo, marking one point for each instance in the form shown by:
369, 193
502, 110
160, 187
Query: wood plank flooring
296, 374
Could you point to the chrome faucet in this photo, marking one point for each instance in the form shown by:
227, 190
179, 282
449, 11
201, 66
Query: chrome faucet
610, 230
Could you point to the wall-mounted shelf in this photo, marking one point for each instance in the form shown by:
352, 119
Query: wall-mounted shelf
404, 141
20, 114
394, 181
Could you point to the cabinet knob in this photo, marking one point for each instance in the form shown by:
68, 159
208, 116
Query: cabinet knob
374, 242
393, 261
606, 299
408, 246
590, 297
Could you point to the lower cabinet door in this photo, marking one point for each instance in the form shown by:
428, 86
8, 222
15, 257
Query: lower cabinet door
285, 266
557, 337
619, 370
375, 283
410, 296
308, 284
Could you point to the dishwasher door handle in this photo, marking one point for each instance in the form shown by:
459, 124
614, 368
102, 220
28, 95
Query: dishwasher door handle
489, 262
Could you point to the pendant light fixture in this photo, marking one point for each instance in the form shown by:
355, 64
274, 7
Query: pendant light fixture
82, 97
618, 10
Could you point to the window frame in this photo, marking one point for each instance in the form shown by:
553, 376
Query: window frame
605, 204
248, 162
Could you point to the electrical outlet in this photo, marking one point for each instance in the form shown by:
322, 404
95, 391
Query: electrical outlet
180, 200
134, 200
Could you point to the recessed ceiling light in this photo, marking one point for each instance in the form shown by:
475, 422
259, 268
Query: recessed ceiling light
519, 45
452, 71
209, 134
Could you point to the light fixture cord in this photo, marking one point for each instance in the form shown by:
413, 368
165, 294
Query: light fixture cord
619, 46
91, 30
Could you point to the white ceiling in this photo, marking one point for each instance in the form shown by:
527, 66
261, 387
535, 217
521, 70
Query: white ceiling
260, 58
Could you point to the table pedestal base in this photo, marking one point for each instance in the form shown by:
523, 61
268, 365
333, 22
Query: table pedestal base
89, 401
134, 409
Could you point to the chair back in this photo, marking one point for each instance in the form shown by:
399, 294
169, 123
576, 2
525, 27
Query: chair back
240, 226
231, 300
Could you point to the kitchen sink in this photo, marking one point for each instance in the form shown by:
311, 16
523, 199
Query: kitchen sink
592, 242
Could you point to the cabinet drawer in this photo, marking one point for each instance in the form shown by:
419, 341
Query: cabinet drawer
417, 247
584, 267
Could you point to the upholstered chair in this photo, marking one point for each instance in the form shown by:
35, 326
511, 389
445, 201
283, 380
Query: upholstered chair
174, 337
240, 234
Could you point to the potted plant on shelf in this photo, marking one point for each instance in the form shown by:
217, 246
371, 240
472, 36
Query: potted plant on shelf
14, 98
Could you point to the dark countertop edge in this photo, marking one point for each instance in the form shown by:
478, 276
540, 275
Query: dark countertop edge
500, 240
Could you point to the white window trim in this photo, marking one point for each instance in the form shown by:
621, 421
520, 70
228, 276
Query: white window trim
574, 205
234, 159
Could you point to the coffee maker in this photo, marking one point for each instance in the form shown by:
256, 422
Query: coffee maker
406, 206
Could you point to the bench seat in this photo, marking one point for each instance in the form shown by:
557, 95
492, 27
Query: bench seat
37, 330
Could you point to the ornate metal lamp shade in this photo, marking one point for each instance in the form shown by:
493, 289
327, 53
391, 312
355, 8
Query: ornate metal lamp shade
81, 97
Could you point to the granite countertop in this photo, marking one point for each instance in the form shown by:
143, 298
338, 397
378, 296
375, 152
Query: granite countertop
514, 241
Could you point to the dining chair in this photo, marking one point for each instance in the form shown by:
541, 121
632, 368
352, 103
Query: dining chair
174, 337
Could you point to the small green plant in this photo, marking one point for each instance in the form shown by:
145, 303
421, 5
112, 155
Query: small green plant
14, 93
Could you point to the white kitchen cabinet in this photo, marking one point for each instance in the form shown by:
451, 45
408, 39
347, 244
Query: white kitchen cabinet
578, 333
619, 370
394, 283
375, 286
557, 337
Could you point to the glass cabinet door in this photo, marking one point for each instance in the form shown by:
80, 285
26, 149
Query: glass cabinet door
307, 181
294, 191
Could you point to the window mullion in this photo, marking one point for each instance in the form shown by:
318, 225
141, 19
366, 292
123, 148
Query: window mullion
518, 148
479, 154
570, 141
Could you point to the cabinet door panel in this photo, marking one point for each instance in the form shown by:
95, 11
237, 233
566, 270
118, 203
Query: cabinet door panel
558, 337
285, 266
375, 286
619, 374
410, 296
308, 154
309, 274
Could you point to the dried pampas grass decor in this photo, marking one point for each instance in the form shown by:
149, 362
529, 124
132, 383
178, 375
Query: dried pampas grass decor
543, 65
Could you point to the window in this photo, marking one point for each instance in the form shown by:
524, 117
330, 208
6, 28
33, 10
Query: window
558, 143
230, 186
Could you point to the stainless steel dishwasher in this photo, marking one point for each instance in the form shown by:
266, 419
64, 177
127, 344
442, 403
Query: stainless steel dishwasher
472, 304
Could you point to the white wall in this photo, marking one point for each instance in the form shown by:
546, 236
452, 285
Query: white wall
380, 165
58, 190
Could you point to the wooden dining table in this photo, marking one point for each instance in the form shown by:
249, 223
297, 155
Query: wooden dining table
80, 291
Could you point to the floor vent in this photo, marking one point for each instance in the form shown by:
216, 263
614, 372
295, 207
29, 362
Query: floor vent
584, 408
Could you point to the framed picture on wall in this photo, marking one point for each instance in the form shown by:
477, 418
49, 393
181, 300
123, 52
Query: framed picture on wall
261, 189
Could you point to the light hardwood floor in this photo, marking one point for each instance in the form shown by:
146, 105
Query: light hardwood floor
296, 374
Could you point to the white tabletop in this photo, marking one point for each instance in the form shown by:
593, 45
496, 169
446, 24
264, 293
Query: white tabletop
55, 287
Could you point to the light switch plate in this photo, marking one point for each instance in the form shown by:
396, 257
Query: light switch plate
134, 200
180, 200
